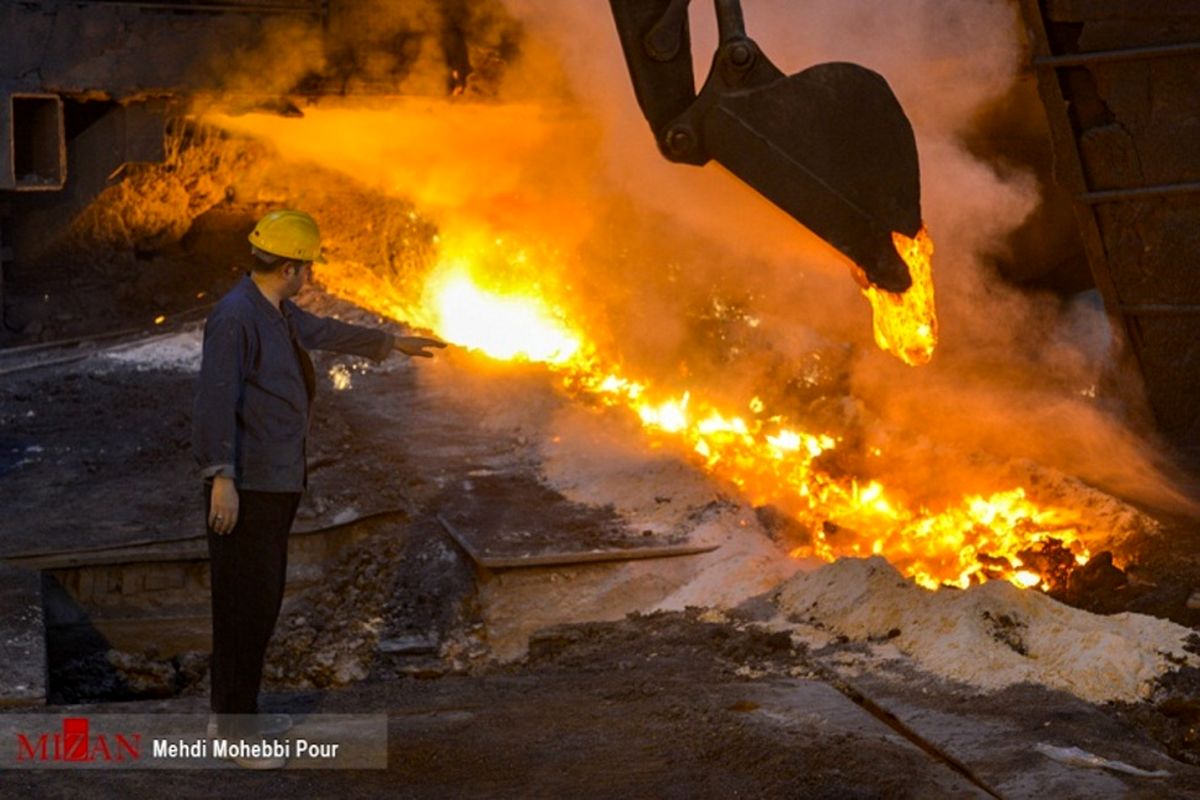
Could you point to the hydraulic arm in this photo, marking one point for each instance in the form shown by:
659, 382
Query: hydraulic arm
829, 145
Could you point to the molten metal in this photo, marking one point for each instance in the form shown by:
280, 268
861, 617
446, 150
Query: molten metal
906, 324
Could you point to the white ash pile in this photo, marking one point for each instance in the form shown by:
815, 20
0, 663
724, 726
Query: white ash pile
991, 635
173, 351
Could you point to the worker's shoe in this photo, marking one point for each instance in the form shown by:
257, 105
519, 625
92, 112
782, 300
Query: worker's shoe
267, 725
274, 724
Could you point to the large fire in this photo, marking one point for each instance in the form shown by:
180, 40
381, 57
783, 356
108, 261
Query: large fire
490, 294
770, 459
504, 326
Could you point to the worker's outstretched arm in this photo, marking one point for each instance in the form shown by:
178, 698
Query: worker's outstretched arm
326, 333
417, 346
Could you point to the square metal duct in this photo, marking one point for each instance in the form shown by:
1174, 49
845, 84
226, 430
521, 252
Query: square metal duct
33, 152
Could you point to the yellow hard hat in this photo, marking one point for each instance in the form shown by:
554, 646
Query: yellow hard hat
290, 234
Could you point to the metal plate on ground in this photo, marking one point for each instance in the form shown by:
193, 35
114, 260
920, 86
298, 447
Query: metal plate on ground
507, 520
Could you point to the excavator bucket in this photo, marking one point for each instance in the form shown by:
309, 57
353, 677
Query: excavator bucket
830, 145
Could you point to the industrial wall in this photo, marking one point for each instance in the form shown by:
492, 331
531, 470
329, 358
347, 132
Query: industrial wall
1119, 80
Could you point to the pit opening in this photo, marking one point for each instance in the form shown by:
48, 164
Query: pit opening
134, 623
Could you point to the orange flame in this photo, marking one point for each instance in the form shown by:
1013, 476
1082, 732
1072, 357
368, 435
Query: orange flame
906, 324
494, 296
770, 459
504, 326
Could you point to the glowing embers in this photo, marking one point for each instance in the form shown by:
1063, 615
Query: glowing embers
498, 297
906, 324
1004, 536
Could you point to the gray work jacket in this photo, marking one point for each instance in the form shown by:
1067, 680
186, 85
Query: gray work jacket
256, 386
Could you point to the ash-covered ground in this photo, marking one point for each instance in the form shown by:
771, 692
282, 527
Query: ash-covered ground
736, 671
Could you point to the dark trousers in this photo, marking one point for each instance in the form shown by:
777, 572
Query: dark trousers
248, 568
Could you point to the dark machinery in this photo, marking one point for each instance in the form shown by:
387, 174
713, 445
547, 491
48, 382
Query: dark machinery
1119, 81
829, 145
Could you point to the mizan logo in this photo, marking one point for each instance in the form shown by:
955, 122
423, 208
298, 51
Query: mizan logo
75, 743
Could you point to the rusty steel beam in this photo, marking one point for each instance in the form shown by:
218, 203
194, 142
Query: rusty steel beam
1115, 195
1080, 10
1160, 310
1123, 54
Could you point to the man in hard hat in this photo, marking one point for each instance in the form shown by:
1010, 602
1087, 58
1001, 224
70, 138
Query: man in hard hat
249, 427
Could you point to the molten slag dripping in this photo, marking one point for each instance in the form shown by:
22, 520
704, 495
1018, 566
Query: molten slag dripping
906, 324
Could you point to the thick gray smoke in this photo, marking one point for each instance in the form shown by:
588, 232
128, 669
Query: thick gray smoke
1015, 376
688, 277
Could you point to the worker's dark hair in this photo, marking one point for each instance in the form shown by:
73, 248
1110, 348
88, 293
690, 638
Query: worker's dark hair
265, 263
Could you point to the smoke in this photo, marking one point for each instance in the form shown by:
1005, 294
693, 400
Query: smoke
688, 277
1017, 375
365, 47
944, 61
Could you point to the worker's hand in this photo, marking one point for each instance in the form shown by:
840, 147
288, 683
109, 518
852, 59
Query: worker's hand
415, 345
223, 511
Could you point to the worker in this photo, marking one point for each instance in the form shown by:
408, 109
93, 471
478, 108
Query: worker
250, 422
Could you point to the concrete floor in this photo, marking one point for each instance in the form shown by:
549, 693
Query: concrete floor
665, 705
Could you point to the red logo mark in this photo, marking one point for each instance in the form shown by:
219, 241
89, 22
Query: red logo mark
75, 743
